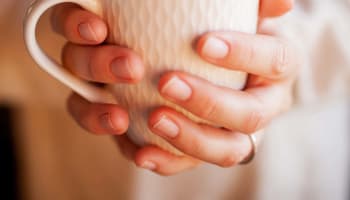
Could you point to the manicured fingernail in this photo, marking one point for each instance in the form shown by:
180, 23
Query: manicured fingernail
177, 89
106, 122
120, 67
166, 128
215, 48
148, 165
86, 32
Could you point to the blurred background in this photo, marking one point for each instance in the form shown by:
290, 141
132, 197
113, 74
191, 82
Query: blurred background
305, 155
38, 135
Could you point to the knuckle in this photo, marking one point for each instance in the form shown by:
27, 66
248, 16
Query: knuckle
94, 64
208, 108
280, 60
195, 146
100, 59
249, 55
229, 160
254, 120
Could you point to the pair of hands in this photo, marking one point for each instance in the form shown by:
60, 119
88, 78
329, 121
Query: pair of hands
271, 62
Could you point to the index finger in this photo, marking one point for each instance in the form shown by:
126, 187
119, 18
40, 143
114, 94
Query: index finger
261, 55
77, 25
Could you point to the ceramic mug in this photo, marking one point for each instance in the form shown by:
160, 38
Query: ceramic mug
162, 33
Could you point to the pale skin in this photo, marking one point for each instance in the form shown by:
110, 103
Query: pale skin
271, 62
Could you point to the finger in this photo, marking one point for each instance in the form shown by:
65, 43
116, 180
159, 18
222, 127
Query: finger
163, 162
77, 25
275, 8
213, 145
276, 97
154, 158
256, 54
104, 64
243, 111
98, 118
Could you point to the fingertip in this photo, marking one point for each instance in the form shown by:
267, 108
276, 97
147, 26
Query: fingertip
77, 25
119, 120
107, 120
92, 30
103, 64
114, 64
159, 161
146, 158
200, 44
163, 162
213, 47
159, 113
99, 119
164, 79
137, 67
153, 118
173, 76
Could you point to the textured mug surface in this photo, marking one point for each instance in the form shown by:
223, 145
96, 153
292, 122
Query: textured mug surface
163, 32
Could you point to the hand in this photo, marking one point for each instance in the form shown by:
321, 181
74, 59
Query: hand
272, 64
104, 64
270, 60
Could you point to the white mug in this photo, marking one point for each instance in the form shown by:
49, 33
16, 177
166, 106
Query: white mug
162, 33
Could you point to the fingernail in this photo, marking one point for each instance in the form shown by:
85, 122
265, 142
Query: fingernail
86, 32
148, 165
215, 48
166, 128
177, 89
120, 67
106, 122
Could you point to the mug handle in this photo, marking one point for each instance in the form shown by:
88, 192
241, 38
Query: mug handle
87, 90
